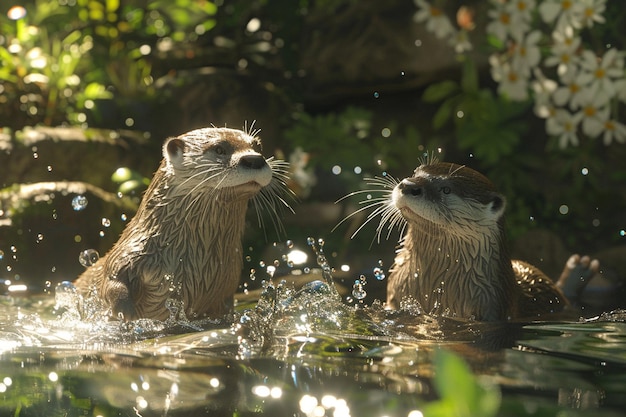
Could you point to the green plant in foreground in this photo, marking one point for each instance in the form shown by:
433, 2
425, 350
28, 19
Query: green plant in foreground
461, 393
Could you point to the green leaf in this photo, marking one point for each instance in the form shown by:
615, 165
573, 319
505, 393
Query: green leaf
461, 393
439, 91
443, 114
469, 77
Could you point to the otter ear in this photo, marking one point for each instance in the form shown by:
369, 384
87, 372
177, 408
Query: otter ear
496, 206
173, 151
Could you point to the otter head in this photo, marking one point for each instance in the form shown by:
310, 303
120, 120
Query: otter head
449, 197
217, 159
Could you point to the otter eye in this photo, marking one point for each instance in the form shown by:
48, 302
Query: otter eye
219, 149
445, 190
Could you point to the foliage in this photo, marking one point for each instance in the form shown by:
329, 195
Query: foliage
347, 140
489, 125
58, 58
461, 393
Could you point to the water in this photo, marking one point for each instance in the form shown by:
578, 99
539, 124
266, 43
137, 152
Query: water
302, 352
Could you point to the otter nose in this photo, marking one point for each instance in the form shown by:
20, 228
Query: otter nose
252, 161
410, 188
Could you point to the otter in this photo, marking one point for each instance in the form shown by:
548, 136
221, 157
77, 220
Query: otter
453, 256
185, 241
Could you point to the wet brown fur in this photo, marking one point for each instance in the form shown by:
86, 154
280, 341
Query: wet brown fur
454, 257
185, 241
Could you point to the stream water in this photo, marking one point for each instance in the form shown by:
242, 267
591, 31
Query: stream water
304, 352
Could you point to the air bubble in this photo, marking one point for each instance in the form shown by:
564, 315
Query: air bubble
88, 257
79, 202
106, 222
289, 244
310, 241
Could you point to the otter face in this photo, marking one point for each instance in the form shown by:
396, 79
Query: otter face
217, 158
448, 195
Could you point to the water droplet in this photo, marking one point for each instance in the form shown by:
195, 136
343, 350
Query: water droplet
1, 255
248, 258
124, 217
376, 95
88, 257
379, 274
262, 264
310, 241
320, 242
79, 203
252, 274
358, 291
39, 237
49, 168
106, 222
289, 244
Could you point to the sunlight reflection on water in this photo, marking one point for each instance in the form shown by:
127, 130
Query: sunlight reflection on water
294, 352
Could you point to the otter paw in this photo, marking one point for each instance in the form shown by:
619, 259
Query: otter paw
576, 275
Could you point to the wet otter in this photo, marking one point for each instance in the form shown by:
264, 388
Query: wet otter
184, 243
453, 258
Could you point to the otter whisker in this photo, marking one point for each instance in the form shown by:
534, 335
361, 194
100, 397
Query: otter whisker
270, 198
212, 167
385, 186
389, 218
379, 210
369, 205
460, 167
250, 130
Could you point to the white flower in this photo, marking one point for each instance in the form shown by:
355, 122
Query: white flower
620, 89
571, 92
564, 125
521, 9
460, 41
526, 53
436, 20
593, 11
564, 52
595, 113
512, 83
504, 23
599, 74
614, 130
543, 89
567, 12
